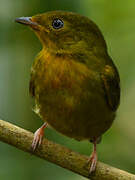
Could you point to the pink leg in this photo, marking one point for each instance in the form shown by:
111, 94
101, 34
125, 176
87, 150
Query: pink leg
38, 136
93, 158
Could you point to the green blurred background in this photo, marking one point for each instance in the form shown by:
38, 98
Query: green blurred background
18, 47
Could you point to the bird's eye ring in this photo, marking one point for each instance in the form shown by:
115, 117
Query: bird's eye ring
57, 23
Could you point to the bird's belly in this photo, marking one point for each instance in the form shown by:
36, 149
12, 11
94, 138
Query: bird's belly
76, 117
71, 98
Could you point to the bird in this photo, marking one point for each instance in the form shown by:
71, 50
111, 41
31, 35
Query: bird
74, 82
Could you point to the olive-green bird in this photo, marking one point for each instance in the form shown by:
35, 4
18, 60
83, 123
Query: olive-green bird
74, 82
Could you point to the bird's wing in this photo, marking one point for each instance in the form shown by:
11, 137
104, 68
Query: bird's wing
111, 83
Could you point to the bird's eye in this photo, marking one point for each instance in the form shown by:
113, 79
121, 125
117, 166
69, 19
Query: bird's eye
57, 23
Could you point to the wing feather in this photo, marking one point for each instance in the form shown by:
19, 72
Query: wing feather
111, 83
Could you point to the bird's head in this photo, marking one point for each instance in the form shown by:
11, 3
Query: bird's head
66, 32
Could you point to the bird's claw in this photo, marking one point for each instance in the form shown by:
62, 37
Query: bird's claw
38, 136
93, 162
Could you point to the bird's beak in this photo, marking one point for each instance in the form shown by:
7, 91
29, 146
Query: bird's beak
27, 21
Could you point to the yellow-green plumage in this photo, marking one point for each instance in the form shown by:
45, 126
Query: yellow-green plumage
70, 97
73, 80
67, 78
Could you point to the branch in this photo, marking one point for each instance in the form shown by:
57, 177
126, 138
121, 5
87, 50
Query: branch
59, 155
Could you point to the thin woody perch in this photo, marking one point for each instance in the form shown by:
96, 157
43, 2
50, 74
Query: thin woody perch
59, 155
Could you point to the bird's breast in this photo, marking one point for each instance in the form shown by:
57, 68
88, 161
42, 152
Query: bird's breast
70, 97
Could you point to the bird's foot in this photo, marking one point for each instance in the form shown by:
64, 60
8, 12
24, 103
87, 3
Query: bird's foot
38, 136
93, 158
93, 162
